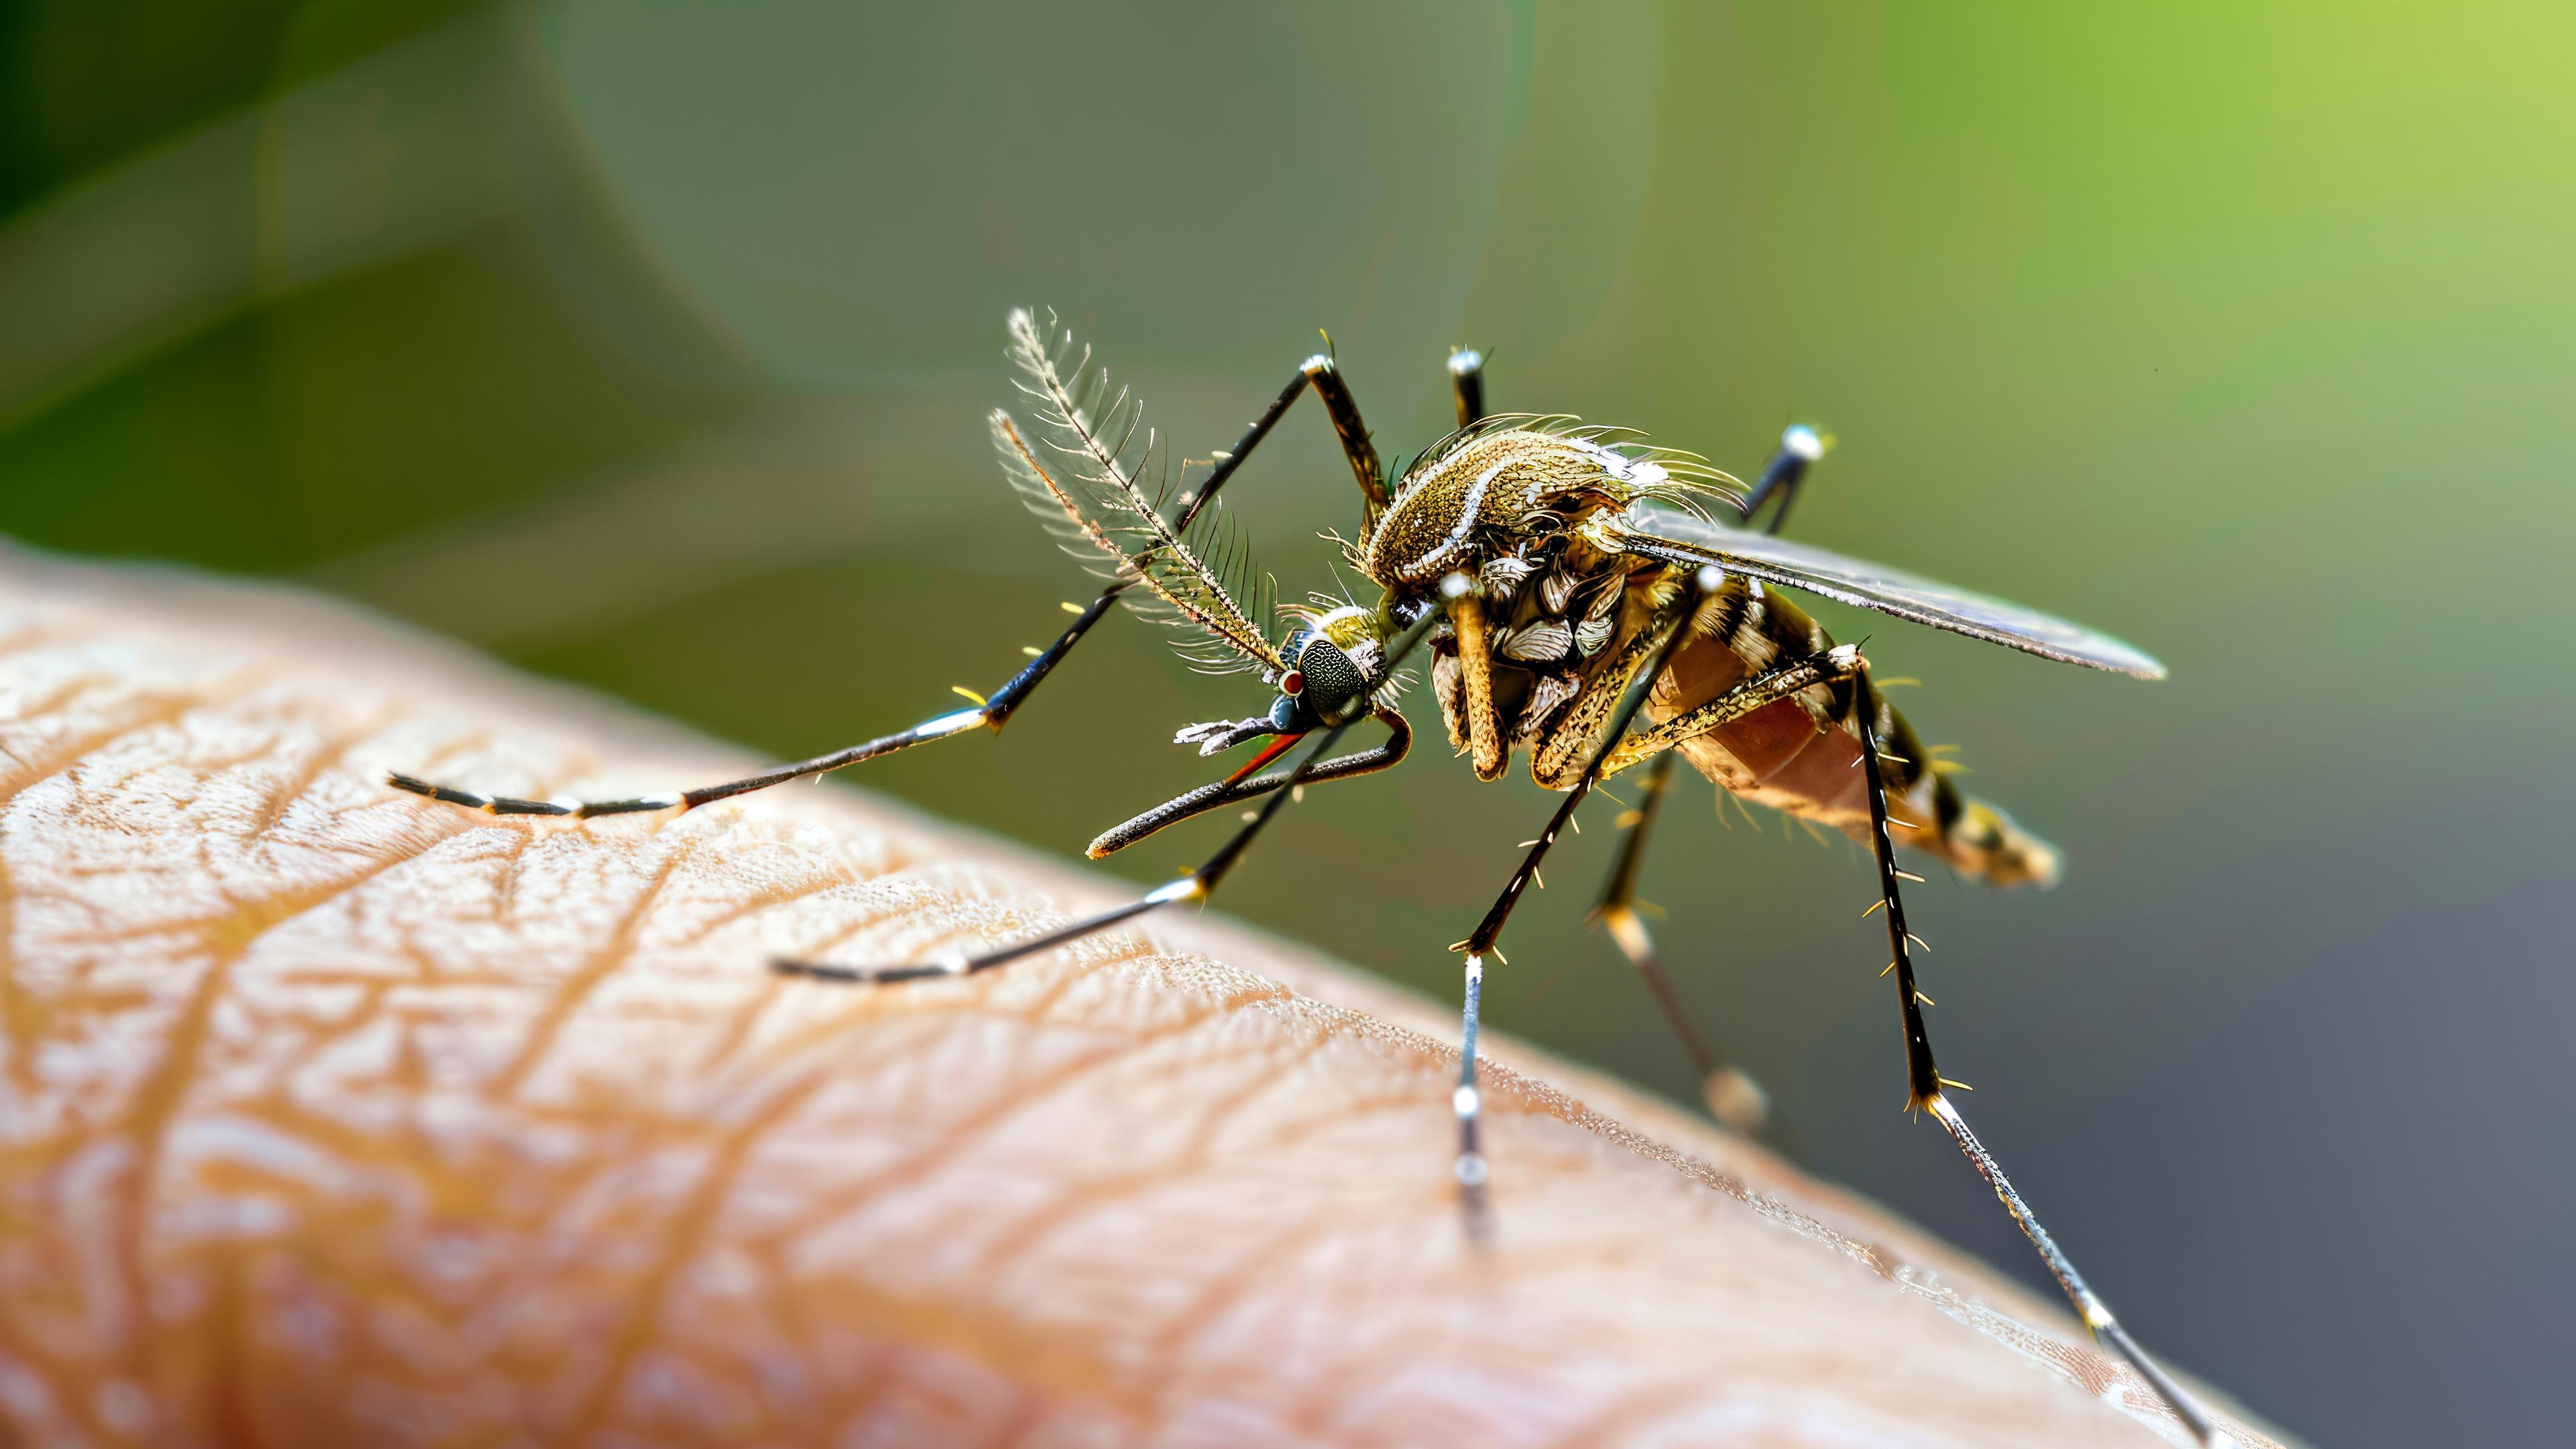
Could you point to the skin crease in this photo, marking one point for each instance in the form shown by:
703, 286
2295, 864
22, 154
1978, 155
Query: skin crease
332, 1115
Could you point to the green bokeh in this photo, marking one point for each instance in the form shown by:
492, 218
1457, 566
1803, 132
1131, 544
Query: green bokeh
2243, 332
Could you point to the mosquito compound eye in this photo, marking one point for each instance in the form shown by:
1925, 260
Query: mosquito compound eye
1294, 684
1327, 674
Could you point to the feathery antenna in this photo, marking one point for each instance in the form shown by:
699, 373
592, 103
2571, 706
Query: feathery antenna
1094, 504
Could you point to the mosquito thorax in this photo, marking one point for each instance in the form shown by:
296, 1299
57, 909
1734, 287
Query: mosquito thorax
1498, 488
1527, 510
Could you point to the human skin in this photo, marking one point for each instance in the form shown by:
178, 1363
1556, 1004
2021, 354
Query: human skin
333, 1115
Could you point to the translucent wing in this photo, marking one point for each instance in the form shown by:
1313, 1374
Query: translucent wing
1676, 537
1080, 473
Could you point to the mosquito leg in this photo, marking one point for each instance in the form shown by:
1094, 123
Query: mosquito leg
1618, 913
1467, 385
1474, 635
1198, 885
1472, 1171
1800, 447
1732, 1097
1768, 687
940, 728
1467, 1101
1222, 793
1559, 757
991, 713
1640, 685
1925, 1091
1326, 377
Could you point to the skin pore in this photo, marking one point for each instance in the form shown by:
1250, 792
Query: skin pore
334, 1115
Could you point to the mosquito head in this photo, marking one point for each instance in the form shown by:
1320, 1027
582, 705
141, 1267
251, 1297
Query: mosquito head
1329, 659
1323, 685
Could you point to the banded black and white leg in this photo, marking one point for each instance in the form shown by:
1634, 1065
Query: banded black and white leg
1466, 380
1927, 1090
1633, 674
1198, 885
994, 711
1732, 1096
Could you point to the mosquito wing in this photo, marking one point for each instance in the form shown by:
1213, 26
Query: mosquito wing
1675, 537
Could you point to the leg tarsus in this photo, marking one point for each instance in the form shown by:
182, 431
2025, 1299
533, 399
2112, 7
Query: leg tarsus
1221, 793
1924, 1091
1732, 1096
1472, 1169
562, 806
1198, 885
2096, 1315
1468, 1102
996, 711
992, 714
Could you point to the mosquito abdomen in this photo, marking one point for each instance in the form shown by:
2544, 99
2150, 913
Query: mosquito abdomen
1798, 756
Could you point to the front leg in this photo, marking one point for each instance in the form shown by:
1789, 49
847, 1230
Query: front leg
1559, 757
989, 713
1198, 885
1467, 1101
1325, 375
1235, 789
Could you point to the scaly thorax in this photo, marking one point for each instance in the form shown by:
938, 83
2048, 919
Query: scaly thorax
1522, 510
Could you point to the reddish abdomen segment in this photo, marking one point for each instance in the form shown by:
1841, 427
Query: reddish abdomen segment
1800, 756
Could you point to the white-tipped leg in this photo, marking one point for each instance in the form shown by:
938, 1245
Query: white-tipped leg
1927, 1089
2097, 1316
559, 805
1198, 885
1472, 1174
1733, 1097
1468, 1102
990, 713
937, 729
1736, 1099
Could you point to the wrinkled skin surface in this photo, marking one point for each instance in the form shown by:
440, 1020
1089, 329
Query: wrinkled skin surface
333, 1116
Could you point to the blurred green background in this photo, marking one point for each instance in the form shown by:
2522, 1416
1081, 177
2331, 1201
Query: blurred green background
646, 345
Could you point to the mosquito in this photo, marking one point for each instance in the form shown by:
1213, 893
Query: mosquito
1585, 597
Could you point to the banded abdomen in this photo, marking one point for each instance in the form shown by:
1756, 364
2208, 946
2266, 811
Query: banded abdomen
1799, 756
